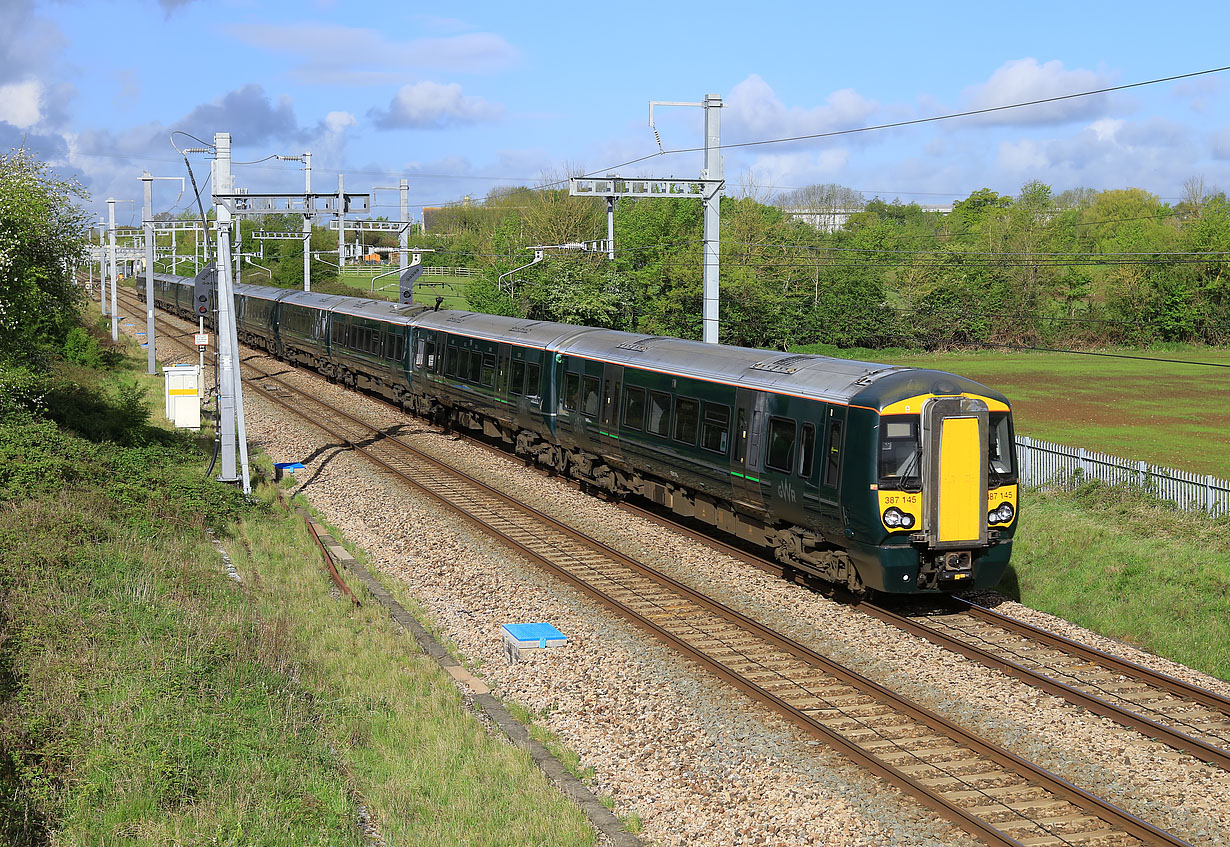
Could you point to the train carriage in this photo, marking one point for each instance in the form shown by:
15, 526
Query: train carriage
255, 307
302, 322
491, 373
369, 346
897, 479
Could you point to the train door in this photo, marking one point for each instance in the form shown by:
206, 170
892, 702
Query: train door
833, 439
612, 394
954, 472
745, 458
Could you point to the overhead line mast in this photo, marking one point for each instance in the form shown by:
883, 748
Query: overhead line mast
707, 189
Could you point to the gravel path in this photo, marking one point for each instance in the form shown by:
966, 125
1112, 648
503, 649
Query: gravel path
697, 763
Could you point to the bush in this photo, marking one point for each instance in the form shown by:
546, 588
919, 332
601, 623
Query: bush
81, 348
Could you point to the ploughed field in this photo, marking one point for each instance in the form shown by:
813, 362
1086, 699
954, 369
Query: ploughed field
1166, 413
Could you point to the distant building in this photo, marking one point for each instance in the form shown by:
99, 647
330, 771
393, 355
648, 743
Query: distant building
831, 220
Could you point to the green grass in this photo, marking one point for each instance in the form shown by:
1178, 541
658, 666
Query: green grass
146, 698
451, 288
1167, 413
427, 768
1120, 563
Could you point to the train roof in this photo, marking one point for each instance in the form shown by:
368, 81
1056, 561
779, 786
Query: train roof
541, 334
848, 381
264, 292
313, 300
379, 310
791, 373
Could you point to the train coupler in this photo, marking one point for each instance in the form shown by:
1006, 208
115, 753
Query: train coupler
948, 569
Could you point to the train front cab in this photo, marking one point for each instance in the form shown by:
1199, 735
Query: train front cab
943, 497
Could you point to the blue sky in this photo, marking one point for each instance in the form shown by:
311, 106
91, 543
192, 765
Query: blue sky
475, 95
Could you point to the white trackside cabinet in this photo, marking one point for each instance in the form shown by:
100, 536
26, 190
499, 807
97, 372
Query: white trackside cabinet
183, 395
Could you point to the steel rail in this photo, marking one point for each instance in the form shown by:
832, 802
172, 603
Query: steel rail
1157, 679
1151, 727
1099, 706
1088, 803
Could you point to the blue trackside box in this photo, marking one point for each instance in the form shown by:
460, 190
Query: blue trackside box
530, 636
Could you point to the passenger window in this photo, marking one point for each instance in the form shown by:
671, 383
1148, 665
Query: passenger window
686, 418
832, 466
531, 379
429, 351
572, 390
659, 413
634, 408
715, 429
807, 444
518, 378
454, 358
780, 456
591, 402
488, 370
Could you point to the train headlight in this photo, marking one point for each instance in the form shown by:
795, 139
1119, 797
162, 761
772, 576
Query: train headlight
907, 521
892, 518
1001, 515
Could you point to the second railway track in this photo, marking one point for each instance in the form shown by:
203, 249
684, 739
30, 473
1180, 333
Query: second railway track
1176, 713
980, 786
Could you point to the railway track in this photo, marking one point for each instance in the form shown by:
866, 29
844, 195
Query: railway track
1176, 713
983, 788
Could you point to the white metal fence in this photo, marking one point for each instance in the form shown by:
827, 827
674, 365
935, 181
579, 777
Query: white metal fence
1043, 464
431, 270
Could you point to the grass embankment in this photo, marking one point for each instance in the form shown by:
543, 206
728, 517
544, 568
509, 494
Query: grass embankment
1120, 563
451, 288
146, 697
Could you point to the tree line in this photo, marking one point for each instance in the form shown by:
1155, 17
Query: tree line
1081, 267
1039, 268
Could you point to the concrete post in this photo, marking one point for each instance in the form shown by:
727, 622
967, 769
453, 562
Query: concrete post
102, 268
713, 219
230, 403
610, 229
115, 320
147, 219
307, 225
403, 240
341, 227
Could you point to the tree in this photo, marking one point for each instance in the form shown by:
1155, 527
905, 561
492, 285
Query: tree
42, 239
827, 204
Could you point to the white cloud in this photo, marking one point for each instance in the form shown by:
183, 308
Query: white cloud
1219, 145
1106, 129
339, 55
336, 122
754, 111
434, 105
20, 103
786, 171
1024, 80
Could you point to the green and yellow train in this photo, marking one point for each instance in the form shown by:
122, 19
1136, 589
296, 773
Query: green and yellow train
895, 479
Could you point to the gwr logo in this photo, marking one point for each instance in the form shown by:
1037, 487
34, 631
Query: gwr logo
786, 492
